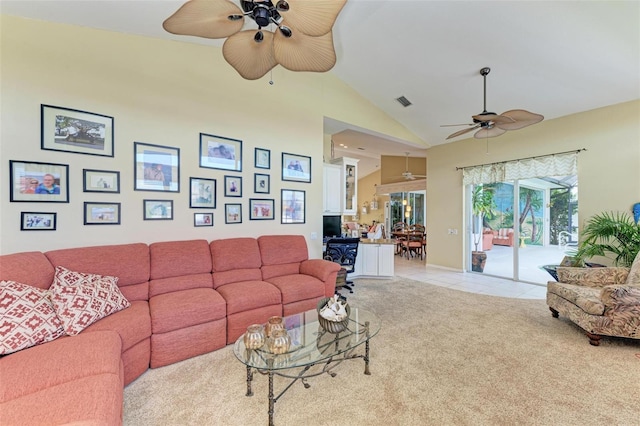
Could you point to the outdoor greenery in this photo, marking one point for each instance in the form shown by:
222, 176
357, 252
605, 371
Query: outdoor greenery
610, 234
559, 214
482, 207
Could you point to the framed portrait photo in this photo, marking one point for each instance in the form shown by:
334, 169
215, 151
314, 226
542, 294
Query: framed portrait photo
217, 152
261, 183
38, 221
202, 193
262, 158
293, 206
233, 213
202, 219
296, 168
233, 186
156, 168
72, 130
157, 209
100, 181
38, 182
261, 209
101, 213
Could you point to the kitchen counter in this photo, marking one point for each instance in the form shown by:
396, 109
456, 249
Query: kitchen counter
378, 241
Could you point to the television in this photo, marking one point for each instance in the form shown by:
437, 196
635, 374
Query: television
331, 226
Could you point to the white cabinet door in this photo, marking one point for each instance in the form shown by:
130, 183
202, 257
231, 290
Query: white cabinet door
369, 254
332, 185
386, 260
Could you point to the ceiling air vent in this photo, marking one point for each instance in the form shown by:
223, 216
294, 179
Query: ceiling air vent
403, 101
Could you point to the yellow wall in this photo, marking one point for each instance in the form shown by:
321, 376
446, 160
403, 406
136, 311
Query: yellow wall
608, 172
165, 93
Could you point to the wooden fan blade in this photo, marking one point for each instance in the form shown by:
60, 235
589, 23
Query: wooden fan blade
488, 133
301, 52
462, 132
492, 117
205, 18
457, 125
252, 60
521, 119
314, 18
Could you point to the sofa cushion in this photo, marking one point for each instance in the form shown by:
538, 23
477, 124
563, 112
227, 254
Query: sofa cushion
270, 271
31, 268
586, 298
247, 295
185, 282
282, 249
128, 262
132, 324
634, 272
295, 288
179, 258
27, 317
235, 259
180, 309
81, 299
592, 277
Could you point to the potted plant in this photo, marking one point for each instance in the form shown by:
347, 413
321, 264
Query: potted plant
482, 206
613, 235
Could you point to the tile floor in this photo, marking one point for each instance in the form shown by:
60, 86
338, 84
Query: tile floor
417, 269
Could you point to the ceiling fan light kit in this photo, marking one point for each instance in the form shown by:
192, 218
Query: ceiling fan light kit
303, 40
490, 124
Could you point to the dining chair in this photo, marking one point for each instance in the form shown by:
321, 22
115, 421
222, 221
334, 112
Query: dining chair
413, 244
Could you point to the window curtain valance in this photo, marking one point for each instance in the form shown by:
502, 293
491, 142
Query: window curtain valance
562, 164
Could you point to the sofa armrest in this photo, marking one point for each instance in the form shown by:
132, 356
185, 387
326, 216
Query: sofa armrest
628, 295
592, 277
319, 268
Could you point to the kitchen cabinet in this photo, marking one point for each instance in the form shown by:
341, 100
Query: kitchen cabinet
377, 259
349, 184
331, 189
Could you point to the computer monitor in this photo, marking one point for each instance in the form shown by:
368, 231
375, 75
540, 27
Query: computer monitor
331, 226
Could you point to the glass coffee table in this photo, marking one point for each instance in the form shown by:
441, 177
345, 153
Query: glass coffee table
314, 351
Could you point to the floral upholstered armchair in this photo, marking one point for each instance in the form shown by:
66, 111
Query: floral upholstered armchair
601, 301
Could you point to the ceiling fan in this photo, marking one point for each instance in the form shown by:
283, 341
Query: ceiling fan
492, 124
407, 174
305, 43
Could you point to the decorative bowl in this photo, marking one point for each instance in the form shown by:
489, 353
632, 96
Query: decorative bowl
332, 326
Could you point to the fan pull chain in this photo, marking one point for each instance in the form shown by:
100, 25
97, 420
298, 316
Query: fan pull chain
487, 146
271, 77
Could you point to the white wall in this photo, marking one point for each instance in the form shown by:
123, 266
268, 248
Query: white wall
164, 93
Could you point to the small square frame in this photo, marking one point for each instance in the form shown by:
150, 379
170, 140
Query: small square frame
293, 208
261, 183
233, 186
202, 219
101, 213
100, 181
156, 168
217, 152
296, 168
72, 130
262, 158
157, 209
233, 213
202, 193
261, 209
23, 171
38, 221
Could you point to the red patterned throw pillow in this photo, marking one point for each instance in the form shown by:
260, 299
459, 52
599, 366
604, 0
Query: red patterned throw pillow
81, 299
27, 317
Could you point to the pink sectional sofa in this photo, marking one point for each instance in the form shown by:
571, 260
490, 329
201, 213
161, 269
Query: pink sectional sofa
187, 298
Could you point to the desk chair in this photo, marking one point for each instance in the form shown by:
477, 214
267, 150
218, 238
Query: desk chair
343, 251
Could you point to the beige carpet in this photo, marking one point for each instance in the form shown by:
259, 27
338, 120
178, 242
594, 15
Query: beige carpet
442, 357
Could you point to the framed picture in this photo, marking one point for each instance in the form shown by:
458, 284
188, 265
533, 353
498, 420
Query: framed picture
233, 186
38, 182
262, 158
293, 206
72, 130
158, 209
261, 183
261, 209
203, 193
296, 168
203, 219
101, 213
233, 213
217, 152
156, 168
100, 181
38, 221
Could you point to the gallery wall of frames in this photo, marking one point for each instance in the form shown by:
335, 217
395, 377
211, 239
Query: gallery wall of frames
156, 169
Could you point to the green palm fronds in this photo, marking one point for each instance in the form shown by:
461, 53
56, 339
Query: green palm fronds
613, 235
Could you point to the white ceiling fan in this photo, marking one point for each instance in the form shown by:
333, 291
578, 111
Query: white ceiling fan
407, 173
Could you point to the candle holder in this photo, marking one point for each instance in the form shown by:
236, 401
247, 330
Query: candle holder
254, 336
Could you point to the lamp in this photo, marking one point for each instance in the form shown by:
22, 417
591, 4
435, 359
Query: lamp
374, 202
365, 208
